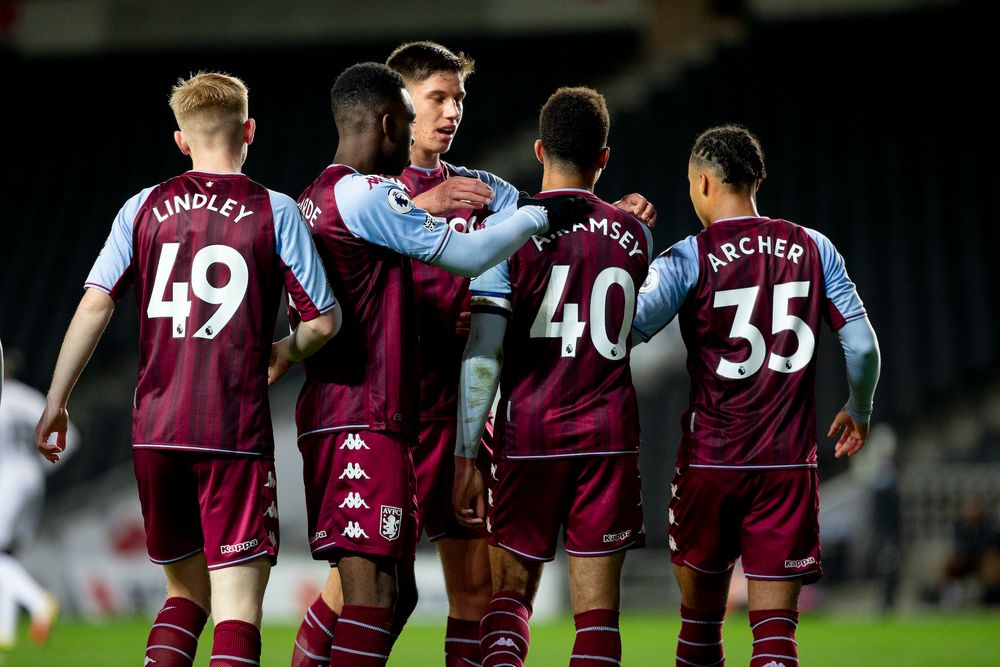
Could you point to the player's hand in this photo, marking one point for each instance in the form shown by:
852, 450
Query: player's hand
563, 211
852, 434
464, 324
638, 206
467, 493
457, 192
54, 419
280, 361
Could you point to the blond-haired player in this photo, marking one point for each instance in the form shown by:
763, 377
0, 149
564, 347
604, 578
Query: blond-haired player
208, 253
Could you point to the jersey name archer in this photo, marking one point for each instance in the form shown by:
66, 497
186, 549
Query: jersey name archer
566, 387
750, 294
441, 296
208, 254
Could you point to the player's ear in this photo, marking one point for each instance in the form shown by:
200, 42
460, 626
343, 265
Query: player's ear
703, 184
538, 151
388, 126
603, 157
249, 129
181, 142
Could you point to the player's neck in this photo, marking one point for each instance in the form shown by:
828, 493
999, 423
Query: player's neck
359, 152
424, 159
559, 180
735, 207
220, 162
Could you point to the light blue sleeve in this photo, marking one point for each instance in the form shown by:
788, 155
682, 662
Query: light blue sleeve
294, 245
116, 256
649, 242
839, 289
380, 212
671, 277
490, 292
504, 194
861, 352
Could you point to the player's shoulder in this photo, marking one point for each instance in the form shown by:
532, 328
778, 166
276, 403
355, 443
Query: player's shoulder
281, 203
368, 192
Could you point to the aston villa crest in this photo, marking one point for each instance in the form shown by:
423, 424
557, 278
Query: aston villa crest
391, 520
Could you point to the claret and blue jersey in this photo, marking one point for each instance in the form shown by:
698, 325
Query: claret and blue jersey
750, 294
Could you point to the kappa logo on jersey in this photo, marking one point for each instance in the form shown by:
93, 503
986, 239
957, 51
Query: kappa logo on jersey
354, 442
399, 201
354, 531
775, 664
354, 471
272, 511
271, 482
372, 181
354, 501
504, 641
651, 282
148, 661
392, 518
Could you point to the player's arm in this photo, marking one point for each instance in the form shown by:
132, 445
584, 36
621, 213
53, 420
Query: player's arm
846, 313
478, 381
863, 359
307, 286
671, 277
107, 282
381, 213
85, 330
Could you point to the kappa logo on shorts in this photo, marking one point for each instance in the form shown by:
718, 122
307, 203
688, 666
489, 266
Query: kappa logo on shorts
319, 535
504, 641
391, 519
236, 548
272, 511
617, 537
354, 442
274, 540
354, 531
673, 544
354, 471
775, 664
670, 517
799, 564
354, 501
148, 661
673, 490
271, 482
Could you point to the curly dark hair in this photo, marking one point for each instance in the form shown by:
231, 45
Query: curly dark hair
363, 93
734, 151
418, 61
573, 126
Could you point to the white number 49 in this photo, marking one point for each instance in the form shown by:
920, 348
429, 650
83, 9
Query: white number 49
178, 308
744, 300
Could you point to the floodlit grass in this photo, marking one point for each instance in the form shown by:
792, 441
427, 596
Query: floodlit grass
932, 641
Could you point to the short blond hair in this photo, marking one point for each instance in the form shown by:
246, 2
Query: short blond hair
210, 104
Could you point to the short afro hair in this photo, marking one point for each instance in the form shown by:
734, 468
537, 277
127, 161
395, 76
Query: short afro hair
363, 93
418, 61
573, 126
733, 151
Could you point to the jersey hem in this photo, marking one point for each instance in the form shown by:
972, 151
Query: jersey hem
195, 448
523, 457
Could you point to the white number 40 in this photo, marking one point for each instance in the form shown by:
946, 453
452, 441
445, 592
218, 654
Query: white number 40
744, 300
571, 327
178, 308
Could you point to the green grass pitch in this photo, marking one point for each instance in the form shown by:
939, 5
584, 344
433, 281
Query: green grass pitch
932, 641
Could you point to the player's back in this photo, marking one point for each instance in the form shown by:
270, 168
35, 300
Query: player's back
364, 377
751, 323
566, 387
208, 282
